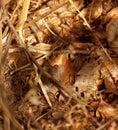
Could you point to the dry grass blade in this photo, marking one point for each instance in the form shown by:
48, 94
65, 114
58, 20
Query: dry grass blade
47, 26
38, 80
23, 17
12, 17
81, 15
6, 49
90, 14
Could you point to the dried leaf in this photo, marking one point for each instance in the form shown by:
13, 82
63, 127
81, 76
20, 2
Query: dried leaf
112, 14
110, 63
112, 33
109, 83
106, 110
23, 16
66, 14
93, 10
64, 70
88, 79
113, 126
97, 9
113, 68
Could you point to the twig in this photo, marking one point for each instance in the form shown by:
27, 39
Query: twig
6, 49
43, 90
34, 30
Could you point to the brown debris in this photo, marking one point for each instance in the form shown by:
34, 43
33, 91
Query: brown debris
58, 65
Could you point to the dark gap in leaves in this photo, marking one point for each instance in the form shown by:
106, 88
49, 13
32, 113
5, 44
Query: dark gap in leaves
102, 86
82, 94
84, 38
76, 89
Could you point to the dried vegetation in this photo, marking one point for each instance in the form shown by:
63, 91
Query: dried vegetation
58, 65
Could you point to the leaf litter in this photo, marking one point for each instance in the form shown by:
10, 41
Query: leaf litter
58, 65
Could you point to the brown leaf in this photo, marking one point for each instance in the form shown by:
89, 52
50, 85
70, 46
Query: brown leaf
109, 67
112, 14
112, 32
112, 67
88, 79
113, 126
64, 69
106, 110
109, 83
97, 9
23, 16
94, 10
66, 14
